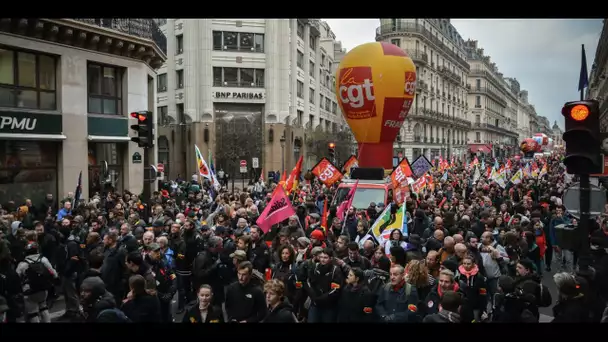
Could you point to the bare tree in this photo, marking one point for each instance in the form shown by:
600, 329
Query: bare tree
318, 142
238, 138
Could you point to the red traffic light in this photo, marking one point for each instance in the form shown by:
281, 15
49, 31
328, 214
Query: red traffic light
332, 145
139, 116
579, 112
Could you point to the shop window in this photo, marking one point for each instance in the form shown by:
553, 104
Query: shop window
27, 80
104, 89
28, 169
111, 153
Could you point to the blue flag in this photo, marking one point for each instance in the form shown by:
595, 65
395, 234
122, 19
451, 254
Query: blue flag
583, 80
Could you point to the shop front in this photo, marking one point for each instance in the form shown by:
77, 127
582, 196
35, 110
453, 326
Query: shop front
30, 145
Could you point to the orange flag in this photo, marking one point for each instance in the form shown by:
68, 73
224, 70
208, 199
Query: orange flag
294, 177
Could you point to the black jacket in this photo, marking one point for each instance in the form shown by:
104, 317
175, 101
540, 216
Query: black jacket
442, 317
283, 313
113, 270
143, 309
571, 311
193, 314
260, 256
324, 285
245, 303
356, 305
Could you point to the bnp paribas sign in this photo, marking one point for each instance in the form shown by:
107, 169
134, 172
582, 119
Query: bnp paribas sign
30, 123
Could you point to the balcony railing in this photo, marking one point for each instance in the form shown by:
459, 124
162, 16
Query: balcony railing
490, 92
488, 75
422, 31
238, 84
418, 55
435, 116
450, 75
494, 128
142, 28
237, 48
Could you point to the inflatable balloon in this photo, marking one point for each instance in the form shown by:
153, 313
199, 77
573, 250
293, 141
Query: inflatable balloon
375, 87
529, 145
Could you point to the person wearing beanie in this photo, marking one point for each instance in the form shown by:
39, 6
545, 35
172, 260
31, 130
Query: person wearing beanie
95, 299
570, 306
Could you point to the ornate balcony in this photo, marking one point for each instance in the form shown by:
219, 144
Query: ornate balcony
490, 92
434, 117
134, 38
385, 31
450, 75
418, 56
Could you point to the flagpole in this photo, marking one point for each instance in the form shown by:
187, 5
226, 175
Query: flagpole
584, 260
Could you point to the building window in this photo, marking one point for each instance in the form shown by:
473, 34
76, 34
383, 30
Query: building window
300, 117
238, 77
300, 90
105, 89
321, 100
27, 80
300, 60
179, 44
396, 42
478, 101
477, 137
162, 114
238, 41
163, 153
111, 153
478, 84
162, 83
180, 79
300, 30
311, 68
311, 96
327, 104
28, 170
334, 107
312, 43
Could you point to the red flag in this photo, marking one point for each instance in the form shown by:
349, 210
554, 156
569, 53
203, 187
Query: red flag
278, 209
294, 177
325, 214
348, 202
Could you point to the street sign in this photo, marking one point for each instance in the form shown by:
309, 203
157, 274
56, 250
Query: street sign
136, 158
160, 167
571, 200
243, 169
243, 163
255, 162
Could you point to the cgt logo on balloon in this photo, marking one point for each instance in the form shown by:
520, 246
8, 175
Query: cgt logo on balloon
357, 92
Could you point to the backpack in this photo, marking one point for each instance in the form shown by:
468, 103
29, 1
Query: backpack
117, 316
37, 276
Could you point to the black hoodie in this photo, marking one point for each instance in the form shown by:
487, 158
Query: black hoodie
282, 313
99, 300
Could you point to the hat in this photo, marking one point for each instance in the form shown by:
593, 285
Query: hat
205, 227
317, 235
239, 254
315, 216
158, 223
303, 241
154, 246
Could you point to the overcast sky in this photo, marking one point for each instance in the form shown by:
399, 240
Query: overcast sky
543, 55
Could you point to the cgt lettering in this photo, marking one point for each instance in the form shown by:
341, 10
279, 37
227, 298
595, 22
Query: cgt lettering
353, 93
410, 83
277, 205
399, 175
13, 123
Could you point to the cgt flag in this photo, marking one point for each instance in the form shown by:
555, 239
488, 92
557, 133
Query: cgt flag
276, 211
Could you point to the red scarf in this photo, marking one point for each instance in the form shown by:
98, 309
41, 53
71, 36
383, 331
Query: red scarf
455, 288
399, 286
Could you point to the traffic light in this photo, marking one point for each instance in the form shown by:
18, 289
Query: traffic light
144, 129
332, 149
582, 137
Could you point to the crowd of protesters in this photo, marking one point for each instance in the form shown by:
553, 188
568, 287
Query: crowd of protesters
473, 252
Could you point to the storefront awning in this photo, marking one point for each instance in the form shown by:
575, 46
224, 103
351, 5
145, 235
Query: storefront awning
108, 138
479, 148
27, 136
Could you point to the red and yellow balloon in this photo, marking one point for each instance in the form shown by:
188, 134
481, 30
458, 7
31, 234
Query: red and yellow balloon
375, 87
529, 145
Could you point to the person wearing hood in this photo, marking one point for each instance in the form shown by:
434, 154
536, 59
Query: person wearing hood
279, 308
141, 306
95, 299
35, 289
531, 283
357, 302
449, 309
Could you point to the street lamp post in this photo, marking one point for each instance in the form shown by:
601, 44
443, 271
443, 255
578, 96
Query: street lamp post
282, 140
